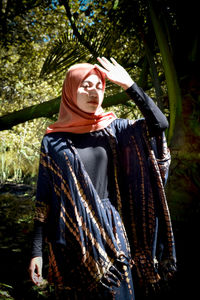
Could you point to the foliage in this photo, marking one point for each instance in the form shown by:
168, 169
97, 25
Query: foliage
143, 27
35, 28
16, 217
39, 40
43, 38
15, 19
20, 63
16, 225
5, 291
21, 59
19, 152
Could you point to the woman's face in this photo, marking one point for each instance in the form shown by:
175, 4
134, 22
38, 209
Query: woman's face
90, 94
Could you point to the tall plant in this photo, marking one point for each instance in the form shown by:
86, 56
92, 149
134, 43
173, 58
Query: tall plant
175, 102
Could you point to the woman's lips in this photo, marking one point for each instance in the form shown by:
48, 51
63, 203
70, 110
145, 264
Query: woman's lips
93, 100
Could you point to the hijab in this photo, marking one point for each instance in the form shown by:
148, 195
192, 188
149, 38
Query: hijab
71, 118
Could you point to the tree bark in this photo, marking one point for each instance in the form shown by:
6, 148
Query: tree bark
48, 109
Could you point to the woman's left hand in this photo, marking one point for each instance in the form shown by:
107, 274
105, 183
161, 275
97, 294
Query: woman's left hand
115, 72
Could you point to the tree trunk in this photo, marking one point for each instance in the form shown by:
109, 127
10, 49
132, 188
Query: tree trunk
48, 109
175, 103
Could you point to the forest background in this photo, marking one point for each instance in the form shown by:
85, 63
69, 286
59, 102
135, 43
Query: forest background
158, 43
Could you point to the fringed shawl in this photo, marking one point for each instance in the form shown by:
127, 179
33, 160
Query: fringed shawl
141, 201
68, 202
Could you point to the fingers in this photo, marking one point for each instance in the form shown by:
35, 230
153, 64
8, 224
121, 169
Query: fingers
114, 61
107, 67
106, 63
101, 69
115, 72
35, 271
37, 279
31, 271
38, 270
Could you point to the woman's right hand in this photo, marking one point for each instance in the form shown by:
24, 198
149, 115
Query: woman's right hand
115, 72
35, 270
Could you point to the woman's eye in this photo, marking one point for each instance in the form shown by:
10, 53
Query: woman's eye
85, 85
100, 86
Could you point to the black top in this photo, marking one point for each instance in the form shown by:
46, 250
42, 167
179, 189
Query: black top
94, 152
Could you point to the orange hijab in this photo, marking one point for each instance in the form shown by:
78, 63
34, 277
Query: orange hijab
71, 118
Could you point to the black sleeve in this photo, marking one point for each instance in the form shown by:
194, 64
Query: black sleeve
156, 120
37, 241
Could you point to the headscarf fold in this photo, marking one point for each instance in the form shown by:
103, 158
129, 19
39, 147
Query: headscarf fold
71, 118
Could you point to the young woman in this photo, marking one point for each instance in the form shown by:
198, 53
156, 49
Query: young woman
100, 196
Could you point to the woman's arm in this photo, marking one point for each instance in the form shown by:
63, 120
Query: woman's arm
35, 267
37, 240
43, 196
156, 120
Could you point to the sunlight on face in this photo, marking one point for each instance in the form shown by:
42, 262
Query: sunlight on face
90, 94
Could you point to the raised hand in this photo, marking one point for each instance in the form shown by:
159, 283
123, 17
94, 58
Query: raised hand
114, 72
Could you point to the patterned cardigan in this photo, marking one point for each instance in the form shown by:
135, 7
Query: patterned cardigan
68, 202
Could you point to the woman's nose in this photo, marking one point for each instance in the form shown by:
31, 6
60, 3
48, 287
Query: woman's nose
93, 90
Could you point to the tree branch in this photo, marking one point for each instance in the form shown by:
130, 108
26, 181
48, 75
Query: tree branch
48, 109
79, 36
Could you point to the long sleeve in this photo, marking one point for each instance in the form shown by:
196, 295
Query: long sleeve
156, 120
37, 240
43, 196
44, 185
157, 123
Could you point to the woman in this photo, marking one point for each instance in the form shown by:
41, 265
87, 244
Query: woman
100, 193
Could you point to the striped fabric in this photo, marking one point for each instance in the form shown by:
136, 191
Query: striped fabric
89, 233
